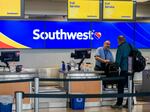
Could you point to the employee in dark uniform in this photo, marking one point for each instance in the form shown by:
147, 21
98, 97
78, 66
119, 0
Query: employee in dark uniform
122, 61
103, 56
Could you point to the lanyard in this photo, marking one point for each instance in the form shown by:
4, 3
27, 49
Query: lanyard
105, 54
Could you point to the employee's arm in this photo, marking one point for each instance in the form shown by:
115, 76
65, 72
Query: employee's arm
101, 60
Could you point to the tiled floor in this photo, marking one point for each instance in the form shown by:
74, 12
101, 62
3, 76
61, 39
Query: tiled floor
137, 108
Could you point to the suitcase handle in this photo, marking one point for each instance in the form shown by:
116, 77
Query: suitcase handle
148, 75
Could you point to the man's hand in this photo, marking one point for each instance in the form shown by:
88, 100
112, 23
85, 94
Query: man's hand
102, 60
106, 61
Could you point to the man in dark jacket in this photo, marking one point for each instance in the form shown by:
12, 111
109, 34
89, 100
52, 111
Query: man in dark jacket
123, 52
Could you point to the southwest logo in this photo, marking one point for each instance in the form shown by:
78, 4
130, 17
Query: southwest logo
97, 35
7, 42
65, 35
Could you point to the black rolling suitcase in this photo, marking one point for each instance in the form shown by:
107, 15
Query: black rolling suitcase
111, 70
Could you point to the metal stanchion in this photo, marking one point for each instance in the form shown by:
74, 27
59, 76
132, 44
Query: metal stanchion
130, 71
129, 91
19, 96
36, 91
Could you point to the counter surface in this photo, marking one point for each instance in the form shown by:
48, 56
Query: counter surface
6, 76
11, 88
85, 72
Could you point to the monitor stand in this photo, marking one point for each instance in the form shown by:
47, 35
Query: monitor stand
79, 64
5, 66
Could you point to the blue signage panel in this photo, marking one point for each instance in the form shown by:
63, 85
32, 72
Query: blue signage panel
68, 35
49, 35
110, 31
142, 35
19, 34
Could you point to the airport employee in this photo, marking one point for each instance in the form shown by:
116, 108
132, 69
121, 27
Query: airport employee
103, 56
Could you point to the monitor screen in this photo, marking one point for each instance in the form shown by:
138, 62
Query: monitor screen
7, 56
81, 53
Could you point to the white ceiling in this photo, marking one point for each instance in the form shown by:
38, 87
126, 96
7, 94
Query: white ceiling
142, 0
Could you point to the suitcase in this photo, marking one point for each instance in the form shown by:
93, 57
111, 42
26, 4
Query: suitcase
111, 70
146, 83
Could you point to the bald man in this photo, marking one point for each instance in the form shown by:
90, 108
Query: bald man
103, 56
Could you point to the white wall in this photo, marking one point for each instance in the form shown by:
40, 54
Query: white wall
53, 57
47, 57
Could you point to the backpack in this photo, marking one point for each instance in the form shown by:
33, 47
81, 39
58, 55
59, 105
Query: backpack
138, 61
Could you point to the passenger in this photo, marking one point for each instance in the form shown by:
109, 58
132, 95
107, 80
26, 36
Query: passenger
122, 54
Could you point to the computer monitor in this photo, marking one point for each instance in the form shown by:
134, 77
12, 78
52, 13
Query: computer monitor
81, 53
10, 56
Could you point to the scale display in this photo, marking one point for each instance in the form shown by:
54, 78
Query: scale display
83, 9
11, 8
118, 10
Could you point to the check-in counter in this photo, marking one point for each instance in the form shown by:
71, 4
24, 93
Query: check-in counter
85, 87
11, 88
49, 73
